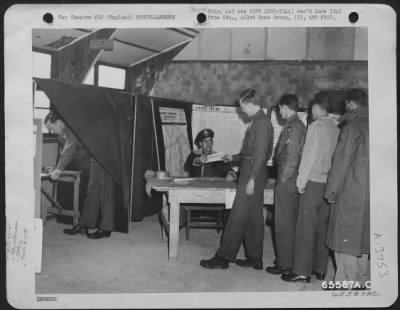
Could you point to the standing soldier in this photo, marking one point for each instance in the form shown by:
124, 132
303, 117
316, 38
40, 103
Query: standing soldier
288, 154
246, 222
310, 251
348, 191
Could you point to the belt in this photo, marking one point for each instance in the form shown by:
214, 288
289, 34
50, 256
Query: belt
247, 157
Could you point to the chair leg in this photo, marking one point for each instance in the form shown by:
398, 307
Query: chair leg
219, 220
161, 226
187, 223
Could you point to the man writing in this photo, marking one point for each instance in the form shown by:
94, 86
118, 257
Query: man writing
72, 152
99, 201
73, 155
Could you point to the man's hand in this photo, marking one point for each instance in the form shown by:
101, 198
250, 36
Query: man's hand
54, 175
230, 176
250, 187
200, 160
203, 158
301, 190
227, 158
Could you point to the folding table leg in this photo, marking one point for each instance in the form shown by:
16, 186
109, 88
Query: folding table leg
188, 217
173, 229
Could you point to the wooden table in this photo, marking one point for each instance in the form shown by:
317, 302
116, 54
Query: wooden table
201, 190
56, 208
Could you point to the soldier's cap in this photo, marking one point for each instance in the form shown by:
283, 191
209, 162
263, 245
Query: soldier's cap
205, 133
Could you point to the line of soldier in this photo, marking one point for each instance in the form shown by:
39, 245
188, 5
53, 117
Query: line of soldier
321, 194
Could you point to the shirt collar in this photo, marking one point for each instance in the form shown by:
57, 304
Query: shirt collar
258, 114
293, 117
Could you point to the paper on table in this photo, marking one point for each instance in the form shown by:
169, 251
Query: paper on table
182, 180
214, 157
230, 194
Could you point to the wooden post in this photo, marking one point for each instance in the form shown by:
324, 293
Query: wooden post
72, 63
75, 218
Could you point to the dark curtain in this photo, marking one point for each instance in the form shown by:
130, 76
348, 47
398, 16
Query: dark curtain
117, 128
144, 158
149, 150
101, 119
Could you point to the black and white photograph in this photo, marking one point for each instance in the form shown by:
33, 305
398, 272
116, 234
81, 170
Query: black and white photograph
198, 164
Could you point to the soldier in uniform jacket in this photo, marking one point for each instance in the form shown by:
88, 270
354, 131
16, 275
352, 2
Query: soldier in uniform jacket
246, 222
287, 157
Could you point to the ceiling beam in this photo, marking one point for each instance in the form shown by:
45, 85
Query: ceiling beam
137, 46
193, 30
180, 31
43, 50
158, 54
128, 43
108, 64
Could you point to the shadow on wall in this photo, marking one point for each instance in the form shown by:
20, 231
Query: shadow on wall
220, 83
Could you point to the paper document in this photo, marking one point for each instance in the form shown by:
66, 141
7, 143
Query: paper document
214, 157
182, 180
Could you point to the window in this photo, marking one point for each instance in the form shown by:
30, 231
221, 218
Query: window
89, 79
111, 77
41, 66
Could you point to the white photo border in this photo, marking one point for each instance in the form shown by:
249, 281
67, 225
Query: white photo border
20, 19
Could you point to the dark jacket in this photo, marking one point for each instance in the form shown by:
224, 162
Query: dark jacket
348, 186
73, 155
213, 169
289, 147
257, 144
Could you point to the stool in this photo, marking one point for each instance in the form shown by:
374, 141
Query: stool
206, 222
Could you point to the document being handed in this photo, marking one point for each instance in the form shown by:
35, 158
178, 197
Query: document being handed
214, 157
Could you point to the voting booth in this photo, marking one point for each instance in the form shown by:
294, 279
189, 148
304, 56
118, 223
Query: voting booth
127, 135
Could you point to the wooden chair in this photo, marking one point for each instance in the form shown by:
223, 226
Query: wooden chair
204, 221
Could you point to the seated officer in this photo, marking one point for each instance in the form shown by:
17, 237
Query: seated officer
196, 164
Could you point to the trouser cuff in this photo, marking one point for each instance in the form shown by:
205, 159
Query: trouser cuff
221, 255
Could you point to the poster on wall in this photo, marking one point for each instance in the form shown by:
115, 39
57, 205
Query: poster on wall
176, 141
229, 128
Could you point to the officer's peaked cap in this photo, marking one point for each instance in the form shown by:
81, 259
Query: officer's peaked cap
205, 133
